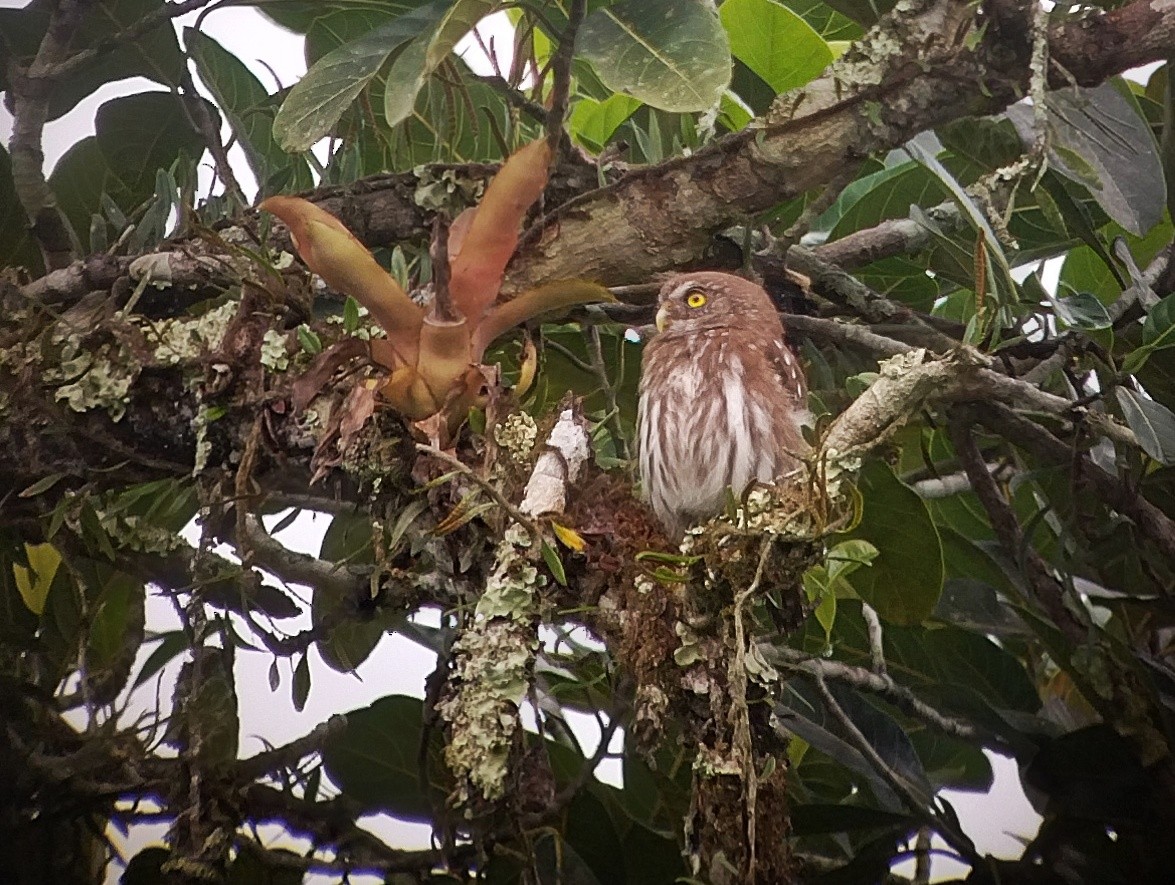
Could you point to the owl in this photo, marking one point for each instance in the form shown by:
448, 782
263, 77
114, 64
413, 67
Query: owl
722, 398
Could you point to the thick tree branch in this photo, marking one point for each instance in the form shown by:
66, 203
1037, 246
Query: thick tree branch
915, 70
30, 90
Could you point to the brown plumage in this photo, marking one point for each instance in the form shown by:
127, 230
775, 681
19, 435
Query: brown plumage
721, 398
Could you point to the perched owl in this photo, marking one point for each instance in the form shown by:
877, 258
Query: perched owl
721, 398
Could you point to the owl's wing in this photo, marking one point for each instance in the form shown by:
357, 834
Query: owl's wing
791, 373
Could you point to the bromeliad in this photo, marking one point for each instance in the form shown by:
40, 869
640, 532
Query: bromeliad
433, 354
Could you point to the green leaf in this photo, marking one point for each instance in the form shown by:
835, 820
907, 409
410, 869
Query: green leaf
350, 315
136, 135
42, 485
17, 246
250, 112
593, 122
1152, 422
878, 196
375, 761
1099, 139
1082, 310
671, 54
1158, 333
774, 42
904, 582
309, 339
554, 563
300, 690
865, 12
319, 99
171, 645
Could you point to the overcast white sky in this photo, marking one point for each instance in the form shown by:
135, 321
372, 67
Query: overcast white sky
999, 820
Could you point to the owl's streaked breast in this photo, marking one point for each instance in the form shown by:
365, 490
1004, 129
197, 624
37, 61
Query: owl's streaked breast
701, 429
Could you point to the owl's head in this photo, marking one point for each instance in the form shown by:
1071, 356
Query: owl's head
693, 302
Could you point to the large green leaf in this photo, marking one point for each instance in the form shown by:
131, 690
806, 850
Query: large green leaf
376, 763
1098, 138
319, 99
802, 711
250, 112
416, 63
301, 15
593, 122
155, 55
328, 25
1152, 422
136, 136
671, 54
774, 42
826, 21
881, 195
904, 582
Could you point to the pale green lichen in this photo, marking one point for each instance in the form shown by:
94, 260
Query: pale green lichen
448, 190
690, 650
517, 435
182, 339
713, 762
495, 664
203, 417
495, 659
274, 355
100, 379
512, 586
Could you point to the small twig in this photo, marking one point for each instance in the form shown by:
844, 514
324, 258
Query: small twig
838, 332
815, 209
561, 71
514, 513
515, 98
130, 34
442, 302
922, 857
882, 685
1047, 592
596, 352
289, 755
563, 797
196, 109
570, 356
876, 645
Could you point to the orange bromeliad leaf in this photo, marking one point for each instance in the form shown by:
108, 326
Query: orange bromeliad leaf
333, 252
484, 240
529, 304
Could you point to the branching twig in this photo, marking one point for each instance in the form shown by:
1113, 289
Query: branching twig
596, 352
875, 683
289, 755
954, 837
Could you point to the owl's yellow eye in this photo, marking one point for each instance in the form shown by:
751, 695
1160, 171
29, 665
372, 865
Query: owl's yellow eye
696, 298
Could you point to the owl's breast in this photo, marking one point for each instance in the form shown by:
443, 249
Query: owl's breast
701, 433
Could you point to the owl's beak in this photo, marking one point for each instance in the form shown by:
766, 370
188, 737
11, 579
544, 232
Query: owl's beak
662, 319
